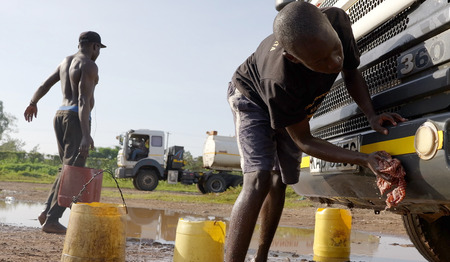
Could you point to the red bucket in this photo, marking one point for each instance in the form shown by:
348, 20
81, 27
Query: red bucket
73, 178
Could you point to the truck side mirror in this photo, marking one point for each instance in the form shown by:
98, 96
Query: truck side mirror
120, 138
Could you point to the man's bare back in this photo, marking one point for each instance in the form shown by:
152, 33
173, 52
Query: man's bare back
70, 72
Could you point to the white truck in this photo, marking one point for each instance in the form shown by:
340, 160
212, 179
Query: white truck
144, 158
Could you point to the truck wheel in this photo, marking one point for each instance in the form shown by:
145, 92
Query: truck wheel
430, 234
147, 180
238, 181
201, 185
215, 184
201, 188
135, 184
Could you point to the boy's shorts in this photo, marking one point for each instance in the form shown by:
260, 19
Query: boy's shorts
261, 147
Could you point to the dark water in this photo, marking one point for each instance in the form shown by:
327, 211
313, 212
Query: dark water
160, 226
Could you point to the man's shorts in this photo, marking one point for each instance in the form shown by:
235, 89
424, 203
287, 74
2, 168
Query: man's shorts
68, 136
261, 147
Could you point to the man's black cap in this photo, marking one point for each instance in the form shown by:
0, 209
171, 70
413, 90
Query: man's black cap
91, 37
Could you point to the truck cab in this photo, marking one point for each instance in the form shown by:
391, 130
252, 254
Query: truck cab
141, 157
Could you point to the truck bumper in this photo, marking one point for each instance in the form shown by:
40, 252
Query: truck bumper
120, 172
428, 181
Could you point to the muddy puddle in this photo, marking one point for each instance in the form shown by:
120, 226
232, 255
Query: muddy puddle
160, 226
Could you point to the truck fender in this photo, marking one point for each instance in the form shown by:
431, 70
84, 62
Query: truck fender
206, 175
202, 179
148, 163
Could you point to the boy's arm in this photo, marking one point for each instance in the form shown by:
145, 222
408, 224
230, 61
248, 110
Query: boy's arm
359, 91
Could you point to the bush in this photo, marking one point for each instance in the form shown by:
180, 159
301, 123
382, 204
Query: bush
36, 167
31, 168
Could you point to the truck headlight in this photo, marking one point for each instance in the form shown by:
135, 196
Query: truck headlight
426, 141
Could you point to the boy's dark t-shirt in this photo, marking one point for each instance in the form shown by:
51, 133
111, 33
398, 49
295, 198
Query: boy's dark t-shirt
291, 92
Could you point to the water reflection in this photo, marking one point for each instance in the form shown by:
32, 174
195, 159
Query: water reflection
23, 213
160, 226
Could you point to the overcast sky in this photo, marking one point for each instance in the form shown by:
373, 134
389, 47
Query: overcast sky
166, 66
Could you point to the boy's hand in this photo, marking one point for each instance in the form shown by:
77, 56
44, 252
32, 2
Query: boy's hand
374, 164
377, 121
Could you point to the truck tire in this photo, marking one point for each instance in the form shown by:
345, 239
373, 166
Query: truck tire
147, 180
135, 184
201, 185
215, 184
431, 237
238, 181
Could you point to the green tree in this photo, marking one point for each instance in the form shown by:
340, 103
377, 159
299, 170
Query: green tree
105, 152
11, 144
103, 158
7, 124
6, 121
193, 163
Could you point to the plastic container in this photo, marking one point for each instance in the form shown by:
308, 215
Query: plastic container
199, 241
330, 259
332, 233
73, 178
96, 232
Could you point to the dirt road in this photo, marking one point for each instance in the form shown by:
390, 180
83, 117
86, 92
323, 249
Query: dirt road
31, 244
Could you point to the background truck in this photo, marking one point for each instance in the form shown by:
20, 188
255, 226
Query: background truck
405, 60
144, 158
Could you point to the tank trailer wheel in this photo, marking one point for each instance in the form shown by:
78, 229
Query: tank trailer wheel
215, 184
201, 185
147, 180
430, 236
238, 181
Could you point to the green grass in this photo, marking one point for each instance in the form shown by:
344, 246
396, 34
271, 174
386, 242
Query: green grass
28, 177
108, 181
165, 192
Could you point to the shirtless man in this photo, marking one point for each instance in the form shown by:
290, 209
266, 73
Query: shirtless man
78, 74
273, 95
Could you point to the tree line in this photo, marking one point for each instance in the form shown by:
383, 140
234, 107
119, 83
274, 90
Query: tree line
7, 125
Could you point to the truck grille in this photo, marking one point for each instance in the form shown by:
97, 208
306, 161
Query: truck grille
379, 77
361, 8
327, 3
357, 10
346, 127
389, 29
